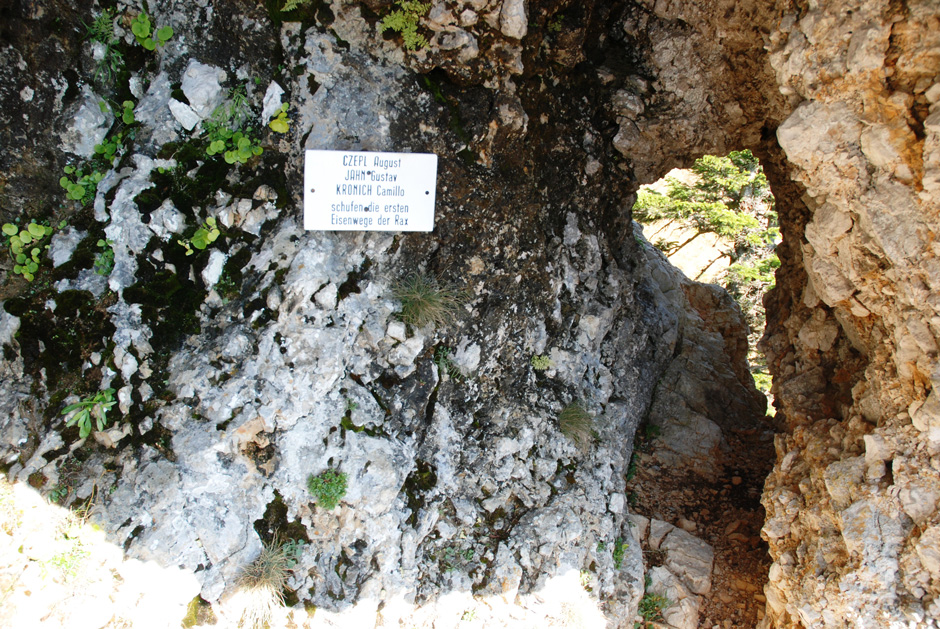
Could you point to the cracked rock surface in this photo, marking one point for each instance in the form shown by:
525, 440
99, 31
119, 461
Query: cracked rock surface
275, 353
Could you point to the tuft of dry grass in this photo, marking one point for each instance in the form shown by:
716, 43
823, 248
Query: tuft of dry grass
261, 585
577, 424
425, 299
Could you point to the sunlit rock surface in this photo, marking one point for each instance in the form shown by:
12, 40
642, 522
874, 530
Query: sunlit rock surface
277, 353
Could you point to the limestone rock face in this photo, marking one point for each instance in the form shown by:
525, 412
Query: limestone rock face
854, 352
240, 371
683, 105
706, 389
686, 571
274, 354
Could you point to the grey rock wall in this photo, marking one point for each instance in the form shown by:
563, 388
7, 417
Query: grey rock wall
276, 354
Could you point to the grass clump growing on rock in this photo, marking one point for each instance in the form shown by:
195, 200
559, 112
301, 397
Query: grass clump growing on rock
261, 585
328, 488
576, 424
424, 299
446, 366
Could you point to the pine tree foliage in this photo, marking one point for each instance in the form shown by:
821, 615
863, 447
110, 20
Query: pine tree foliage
730, 197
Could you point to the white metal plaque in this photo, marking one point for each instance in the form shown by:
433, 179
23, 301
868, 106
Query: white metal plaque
358, 191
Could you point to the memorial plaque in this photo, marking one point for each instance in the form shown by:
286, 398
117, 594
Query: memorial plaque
359, 191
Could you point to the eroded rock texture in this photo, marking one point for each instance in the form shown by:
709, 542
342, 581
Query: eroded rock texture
851, 504
276, 353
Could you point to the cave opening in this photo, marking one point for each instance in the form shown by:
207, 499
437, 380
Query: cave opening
716, 222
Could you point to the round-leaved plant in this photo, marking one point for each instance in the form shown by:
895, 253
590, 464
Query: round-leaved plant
328, 488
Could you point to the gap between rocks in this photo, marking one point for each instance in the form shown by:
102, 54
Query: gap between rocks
698, 468
724, 511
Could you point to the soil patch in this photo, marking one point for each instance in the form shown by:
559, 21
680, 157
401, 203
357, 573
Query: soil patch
725, 512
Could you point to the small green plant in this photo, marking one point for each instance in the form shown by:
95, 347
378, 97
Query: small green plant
601, 546
293, 548
70, 544
235, 146
445, 364
585, 579
449, 559
233, 113
127, 112
59, 493
112, 61
631, 468
26, 248
468, 615
80, 186
225, 132
328, 488
453, 557
424, 299
404, 20
261, 584
555, 24
290, 5
93, 407
110, 146
102, 28
205, 235
541, 362
643, 440
576, 424
145, 34
104, 259
69, 562
281, 123
651, 609
619, 547
226, 287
